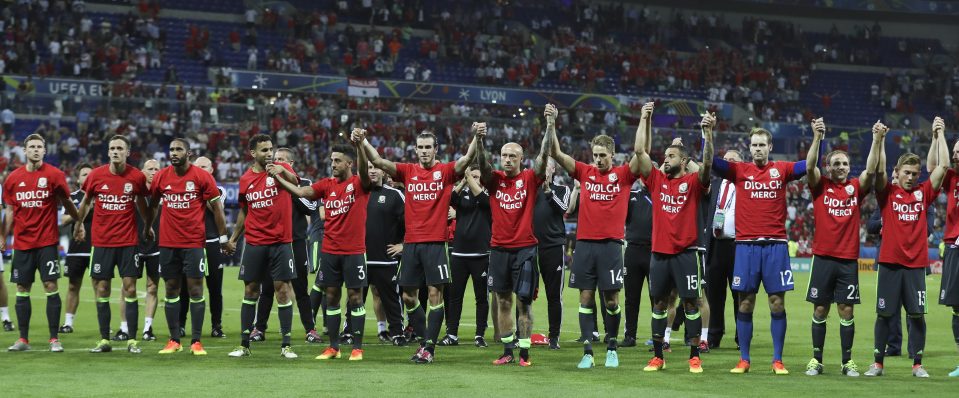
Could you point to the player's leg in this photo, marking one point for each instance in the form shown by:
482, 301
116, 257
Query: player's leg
171, 269
524, 270
102, 289
673, 319
820, 292
356, 280
955, 335
264, 306
687, 275
284, 312
583, 277
551, 267
410, 276
914, 303
949, 292
333, 314
49, 265
153, 281
196, 269
745, 284
437, 275
702, 303
23, 275
888, 301
504, 321
251, 292
457, 291
4, 309
75, 272
131, 310
660, 284
846, 296
317, 307
777, 279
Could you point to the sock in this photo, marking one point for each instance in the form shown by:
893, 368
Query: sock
881, 333
658, 323
24, 310
172, 310
124, 327
133, 317
704, 335
247, 313
847, 331
358, 324
285, 313
147, 323
744, 330
917, 336
524, 345
53, 313
197, 310
613, 316
777, 327
508, 344
666, 334
332, 322
5, 314
818, 337
67, 322
417, 319
435, 320
587, 323
103, 317
316, 301
380, 326
955, 326
694, 322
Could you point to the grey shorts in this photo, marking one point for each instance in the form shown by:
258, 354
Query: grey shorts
597, 265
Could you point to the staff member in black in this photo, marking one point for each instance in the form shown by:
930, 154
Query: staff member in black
470, 256
552, 202
639, 233
302, 209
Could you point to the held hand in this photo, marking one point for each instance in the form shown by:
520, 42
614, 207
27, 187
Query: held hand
550, 113
357, 135
79, 232
451, 214
479, 129
938, 127
148, 234
819, 128
647, 111
229, 248
677, 141
708, 122
394, 250
274, 170
879, 130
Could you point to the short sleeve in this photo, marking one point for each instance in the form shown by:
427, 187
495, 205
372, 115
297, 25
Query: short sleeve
61, 188
449, 173
320, 187
652, 180
579, 170
140, 184
402, 170
210, 192
929, 194
88, 181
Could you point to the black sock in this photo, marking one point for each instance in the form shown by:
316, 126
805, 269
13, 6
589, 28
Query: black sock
508, 343
955, 325
587, 324
103, 317
358, 324
197, 311
818, 337
881, 333
694, 327
316, 302
24, 310
847, 332
613, 316
285, 313
433, 324
658, 323
172, 310
247, 313
305, 310
332, 321
53, 313
132, 312
917, 342
678, 320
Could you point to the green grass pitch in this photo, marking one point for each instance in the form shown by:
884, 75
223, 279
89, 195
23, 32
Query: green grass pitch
463, 370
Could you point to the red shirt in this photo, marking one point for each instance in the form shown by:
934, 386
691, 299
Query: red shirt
676, 204
836, 211
603, 201
511, 203
761, 198
114, 206
951, 185
269, 211
345, 203
184, 199
428, 194
904, 224
34, 195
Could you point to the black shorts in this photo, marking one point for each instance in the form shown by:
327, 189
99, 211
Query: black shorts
680, 271
339, 269
425, 263
76, 266
949, 290
268, 262
833, 280
103, 259
26, 263
149, 264
175, 262
505, 273
597, 264
900, 286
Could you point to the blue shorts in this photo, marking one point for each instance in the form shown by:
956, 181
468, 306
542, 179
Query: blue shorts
762, 262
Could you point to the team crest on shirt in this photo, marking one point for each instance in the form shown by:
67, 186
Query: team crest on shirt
813, 293
381, 199
683, 187
190, 186
127, 188
519, 184
774, 173
42, 182
736, 281
437, 175
613, 177
349, 188
850, 189
270, 181
918, 195
882, 303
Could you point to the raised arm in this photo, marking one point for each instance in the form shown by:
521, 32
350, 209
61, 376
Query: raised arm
881, 177
362, 165
380, 163
482, 156
939, 135
543, 158
564, 160
641, 164
867, 179
479, 131
709, 121
813, 155
932, 155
